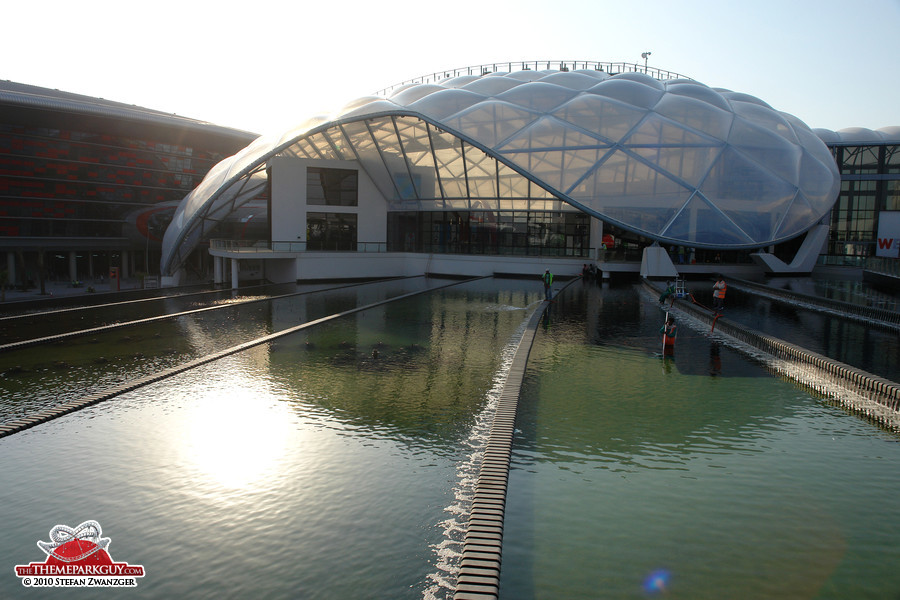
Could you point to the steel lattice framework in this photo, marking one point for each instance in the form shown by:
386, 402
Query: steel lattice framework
670, 159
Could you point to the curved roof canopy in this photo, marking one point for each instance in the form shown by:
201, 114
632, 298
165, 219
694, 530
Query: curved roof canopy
675, 161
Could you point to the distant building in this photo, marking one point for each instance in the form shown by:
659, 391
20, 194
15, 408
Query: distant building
869, 163
93, 184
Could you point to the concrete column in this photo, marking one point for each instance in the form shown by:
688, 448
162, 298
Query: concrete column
11, 267
123, 269
234, 273
217, 269
91, 264
596, 236
73, 266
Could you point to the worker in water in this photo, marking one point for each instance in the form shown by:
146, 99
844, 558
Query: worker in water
547, 277
669, 332
719, 294
669, 291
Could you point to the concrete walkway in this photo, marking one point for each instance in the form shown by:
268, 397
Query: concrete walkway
56, 289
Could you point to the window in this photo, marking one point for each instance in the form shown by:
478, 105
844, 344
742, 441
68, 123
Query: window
332, 187
330, 231
490, 232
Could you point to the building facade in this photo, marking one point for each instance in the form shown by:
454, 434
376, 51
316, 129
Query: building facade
869, 162
549, 160
87, 184
542, 160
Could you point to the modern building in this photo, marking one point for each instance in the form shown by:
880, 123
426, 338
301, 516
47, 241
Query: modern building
502, 167
574, 160
87, 184
869, 162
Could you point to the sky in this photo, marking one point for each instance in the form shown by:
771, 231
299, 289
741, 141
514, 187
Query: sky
264, 67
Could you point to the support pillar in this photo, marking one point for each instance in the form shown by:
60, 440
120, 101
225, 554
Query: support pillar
218, 269
234, 274
11, 267
656, 263
596, 236
73, 266
124, 272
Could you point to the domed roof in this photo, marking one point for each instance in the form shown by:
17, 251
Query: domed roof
675, 161
856, 136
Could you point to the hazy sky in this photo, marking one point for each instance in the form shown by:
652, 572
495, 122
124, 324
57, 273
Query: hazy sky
265, 66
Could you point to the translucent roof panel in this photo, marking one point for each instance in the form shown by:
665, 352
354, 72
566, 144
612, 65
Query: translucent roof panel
673, 160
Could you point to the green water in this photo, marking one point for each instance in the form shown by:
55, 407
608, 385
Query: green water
307, 468
704, 471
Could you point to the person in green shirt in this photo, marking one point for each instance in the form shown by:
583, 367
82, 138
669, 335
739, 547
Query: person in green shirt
547, 277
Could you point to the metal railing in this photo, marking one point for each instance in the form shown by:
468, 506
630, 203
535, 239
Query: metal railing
613, 68
265, 246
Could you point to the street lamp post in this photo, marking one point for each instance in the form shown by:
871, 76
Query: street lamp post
645, 56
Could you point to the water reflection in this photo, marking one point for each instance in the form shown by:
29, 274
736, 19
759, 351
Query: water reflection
858, 344
238, 438
629, 480
305, 468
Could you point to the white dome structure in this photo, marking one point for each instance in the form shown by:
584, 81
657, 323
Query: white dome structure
672, 160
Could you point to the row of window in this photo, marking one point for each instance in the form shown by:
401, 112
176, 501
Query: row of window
59, 227
59, 137
19, 167
490, 232
854, 218
56, 191
857, 160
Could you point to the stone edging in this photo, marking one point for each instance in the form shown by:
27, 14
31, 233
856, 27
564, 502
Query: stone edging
881, 317
479, 573
876, 389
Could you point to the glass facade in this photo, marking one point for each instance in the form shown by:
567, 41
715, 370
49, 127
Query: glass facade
533, 233
870, 183
673, 161
331, 231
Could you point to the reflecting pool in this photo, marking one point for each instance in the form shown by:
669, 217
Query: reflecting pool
701, 476
39, 377
323, 465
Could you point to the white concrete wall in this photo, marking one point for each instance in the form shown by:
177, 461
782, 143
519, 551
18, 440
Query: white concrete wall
289, 206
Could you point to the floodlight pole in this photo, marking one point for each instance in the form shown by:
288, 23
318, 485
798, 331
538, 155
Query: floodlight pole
645, 56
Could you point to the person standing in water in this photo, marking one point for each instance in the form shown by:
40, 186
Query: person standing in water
719, 295
669, 332
547, 277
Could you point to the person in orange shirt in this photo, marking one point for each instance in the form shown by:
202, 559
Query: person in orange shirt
719, 295
669, 332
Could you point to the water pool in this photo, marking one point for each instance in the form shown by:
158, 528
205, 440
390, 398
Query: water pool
307, 468
698, 477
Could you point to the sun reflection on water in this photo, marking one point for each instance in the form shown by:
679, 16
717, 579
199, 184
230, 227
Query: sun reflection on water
238, 438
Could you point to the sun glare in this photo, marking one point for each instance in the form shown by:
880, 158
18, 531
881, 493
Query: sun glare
239, 438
